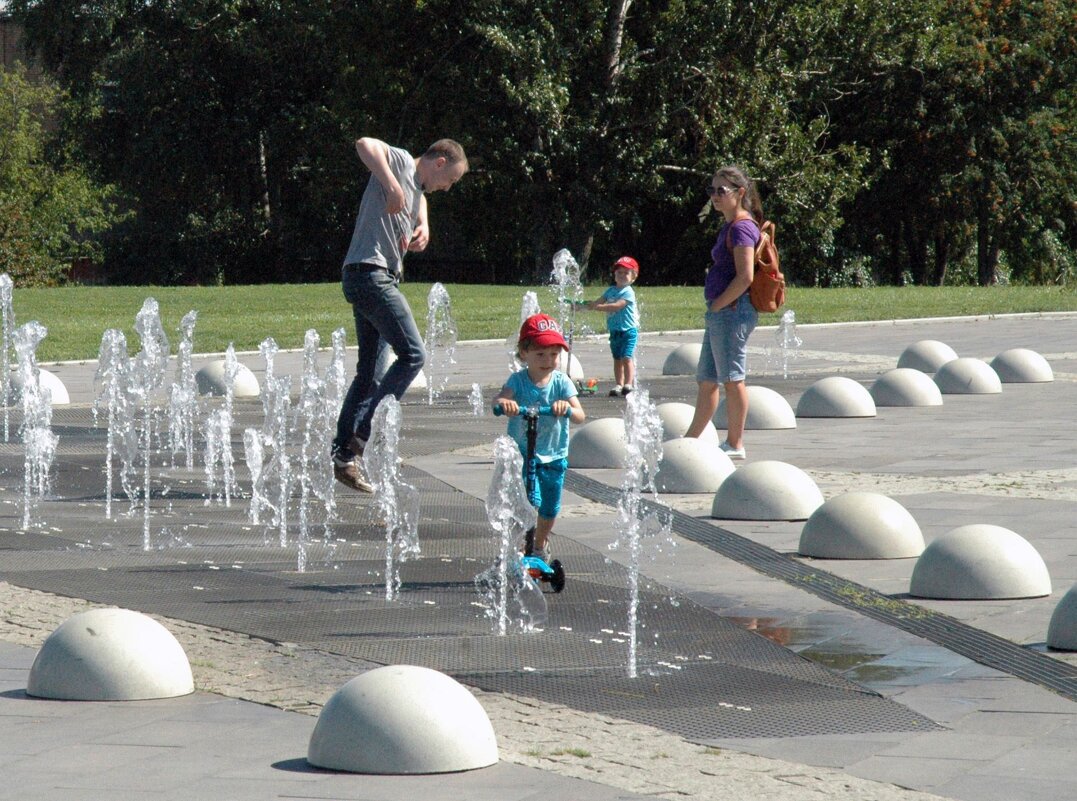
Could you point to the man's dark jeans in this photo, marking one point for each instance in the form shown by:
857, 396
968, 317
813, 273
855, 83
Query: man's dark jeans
383, 320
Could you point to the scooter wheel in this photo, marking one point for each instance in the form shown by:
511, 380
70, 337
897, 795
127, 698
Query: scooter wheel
557, 580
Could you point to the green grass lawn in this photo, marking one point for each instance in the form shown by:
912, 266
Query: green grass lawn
245, 315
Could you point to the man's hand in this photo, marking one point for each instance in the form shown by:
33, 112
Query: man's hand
420, 238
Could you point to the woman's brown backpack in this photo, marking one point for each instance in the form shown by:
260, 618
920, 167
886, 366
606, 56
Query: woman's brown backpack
767, 292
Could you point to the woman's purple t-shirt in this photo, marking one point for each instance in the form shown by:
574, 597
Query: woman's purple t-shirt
723, 270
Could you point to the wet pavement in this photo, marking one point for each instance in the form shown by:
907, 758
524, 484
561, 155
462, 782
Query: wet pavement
1008, 459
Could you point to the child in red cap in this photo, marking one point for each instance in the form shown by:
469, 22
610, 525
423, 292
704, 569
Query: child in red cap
540, 383
622, 323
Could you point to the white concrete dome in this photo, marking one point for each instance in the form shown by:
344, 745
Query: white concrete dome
836, 396
967, 376
767, 490
980, 562
1062, 630
46, 380
574, 368
905, 386
598, 443
861, 525
692, 465
211, 380
110, 655
402, 719
927, 355
1022, 366
683, 359
767, 410
676, 417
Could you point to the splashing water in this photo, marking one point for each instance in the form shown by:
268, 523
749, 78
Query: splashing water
111, 380
7, 324
396, 500
147, 376
39, 441
476, 401
279, 468
440, 341
324, 483
508, 595
183, 395
643, 452
253, 455
565, 283
788, 341
268, 349
528, 307
311, 458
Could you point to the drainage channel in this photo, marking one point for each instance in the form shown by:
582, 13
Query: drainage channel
968, 641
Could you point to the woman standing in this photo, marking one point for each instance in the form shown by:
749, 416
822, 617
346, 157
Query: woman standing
731, 318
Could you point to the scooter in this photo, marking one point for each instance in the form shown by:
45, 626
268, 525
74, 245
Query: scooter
536, 567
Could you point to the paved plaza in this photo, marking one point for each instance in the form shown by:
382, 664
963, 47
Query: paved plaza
763, 674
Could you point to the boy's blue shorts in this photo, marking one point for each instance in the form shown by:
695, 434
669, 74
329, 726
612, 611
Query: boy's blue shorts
549, 480
623, 343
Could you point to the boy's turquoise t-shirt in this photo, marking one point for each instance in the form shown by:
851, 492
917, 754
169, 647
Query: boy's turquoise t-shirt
623, 319
552, 441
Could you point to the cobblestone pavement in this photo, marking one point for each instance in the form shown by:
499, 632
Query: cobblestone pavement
625, 755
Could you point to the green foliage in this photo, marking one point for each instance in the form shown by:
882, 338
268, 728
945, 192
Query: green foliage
929, 141
50, 208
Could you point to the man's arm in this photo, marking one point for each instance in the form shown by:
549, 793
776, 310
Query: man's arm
375, 157
420, 237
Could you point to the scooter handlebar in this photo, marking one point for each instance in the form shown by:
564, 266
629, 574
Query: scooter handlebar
541, 411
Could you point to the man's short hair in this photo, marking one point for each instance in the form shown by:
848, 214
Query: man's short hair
449, 149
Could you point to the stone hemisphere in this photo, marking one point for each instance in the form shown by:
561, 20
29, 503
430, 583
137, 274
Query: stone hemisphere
927, 355
967, 376
861, 525
402, 719
45, 380
683, 359
598, 443
836, 396
905, 386
211, 381
1062, 630
691, 465
570, 366
767, 410
1022, 366
110, 655
767, 490
676, 417
980, 562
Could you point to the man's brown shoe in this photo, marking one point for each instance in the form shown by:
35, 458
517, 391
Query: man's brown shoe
350, 474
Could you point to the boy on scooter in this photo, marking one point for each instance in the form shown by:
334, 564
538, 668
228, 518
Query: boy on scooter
540, 383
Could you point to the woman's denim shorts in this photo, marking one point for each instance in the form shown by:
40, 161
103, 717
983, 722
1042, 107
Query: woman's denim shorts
724, 358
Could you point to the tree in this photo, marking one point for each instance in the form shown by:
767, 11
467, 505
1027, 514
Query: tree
51, 211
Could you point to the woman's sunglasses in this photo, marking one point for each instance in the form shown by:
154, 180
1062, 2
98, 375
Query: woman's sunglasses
720, 191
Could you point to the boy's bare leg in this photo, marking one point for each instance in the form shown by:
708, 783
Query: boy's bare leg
543, 529
619, 372
629, 372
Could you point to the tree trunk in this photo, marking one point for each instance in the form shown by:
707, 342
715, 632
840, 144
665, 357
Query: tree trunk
942, 257
986, 247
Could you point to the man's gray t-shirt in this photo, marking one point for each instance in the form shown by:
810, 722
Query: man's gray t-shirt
378, 236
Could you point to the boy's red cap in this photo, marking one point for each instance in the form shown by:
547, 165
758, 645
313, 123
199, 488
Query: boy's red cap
543, 331
627, 262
